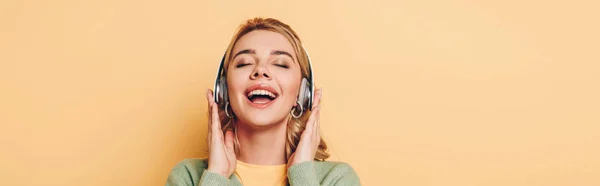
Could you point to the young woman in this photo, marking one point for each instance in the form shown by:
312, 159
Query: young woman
262, 131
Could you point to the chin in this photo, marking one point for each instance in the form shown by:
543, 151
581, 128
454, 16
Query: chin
262, 119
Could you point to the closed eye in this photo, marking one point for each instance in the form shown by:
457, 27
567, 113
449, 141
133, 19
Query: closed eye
282, 66
242, 65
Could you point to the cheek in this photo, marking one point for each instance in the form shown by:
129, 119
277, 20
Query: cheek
290, 85
236, 83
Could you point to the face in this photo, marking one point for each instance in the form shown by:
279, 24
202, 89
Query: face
263, 78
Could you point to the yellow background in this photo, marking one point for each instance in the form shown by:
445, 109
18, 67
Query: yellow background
415, 92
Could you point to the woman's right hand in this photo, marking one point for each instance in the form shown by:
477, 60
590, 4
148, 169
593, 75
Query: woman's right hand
221, 158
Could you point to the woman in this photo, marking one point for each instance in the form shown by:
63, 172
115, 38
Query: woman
261, 131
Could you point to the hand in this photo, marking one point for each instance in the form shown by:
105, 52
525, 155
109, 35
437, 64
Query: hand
221, 158
310, 137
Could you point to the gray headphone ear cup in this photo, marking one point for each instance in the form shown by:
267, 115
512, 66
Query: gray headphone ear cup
304, 94
309, 97
221, 91
224, 95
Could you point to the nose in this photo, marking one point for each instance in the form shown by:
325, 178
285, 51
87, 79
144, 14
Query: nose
260, 72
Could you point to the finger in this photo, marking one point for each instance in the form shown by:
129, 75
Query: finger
317, 120
229, 147
209, 98
215, 136
209, 140
317, 130
310, 123
229, 141
318, 126
317, 98
209, 108
216, 123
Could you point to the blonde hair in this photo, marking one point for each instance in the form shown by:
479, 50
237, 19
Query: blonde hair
295, 126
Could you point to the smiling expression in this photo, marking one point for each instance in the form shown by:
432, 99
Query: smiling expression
263, 78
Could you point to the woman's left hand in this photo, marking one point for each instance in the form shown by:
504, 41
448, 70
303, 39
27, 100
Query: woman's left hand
310, 137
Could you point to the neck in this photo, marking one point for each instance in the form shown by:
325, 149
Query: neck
262, 145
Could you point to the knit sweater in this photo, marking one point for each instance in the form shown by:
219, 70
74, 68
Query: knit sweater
192, 172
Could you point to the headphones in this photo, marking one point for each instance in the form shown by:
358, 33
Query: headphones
305, 96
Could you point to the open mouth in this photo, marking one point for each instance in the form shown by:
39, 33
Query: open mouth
261, 96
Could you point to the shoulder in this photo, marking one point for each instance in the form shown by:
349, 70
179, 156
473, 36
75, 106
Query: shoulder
193, 164
323, 173
336, 172
187, 171
333, 167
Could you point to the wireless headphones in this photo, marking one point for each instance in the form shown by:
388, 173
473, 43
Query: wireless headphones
305, 96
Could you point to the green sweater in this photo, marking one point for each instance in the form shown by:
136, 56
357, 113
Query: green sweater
192, 172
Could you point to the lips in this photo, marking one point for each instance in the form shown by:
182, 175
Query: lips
261, 95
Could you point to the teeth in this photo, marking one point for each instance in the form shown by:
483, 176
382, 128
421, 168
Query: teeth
261, 92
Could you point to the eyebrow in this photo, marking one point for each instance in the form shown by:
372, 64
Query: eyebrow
280, 52
245, 51
251, 51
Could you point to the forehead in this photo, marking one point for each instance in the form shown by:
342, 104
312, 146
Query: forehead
264, 41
